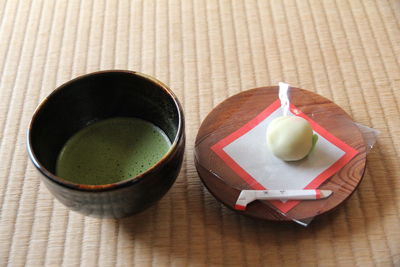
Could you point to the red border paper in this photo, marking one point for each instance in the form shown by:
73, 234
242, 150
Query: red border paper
350, 152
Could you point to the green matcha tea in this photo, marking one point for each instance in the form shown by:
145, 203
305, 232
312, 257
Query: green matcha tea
111, 150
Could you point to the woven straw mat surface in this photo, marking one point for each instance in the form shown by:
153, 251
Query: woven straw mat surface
345, 50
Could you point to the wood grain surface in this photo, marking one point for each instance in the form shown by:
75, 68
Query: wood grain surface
205, 51
236, 111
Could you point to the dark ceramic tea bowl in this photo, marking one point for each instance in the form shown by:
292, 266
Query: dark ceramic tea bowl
94, 97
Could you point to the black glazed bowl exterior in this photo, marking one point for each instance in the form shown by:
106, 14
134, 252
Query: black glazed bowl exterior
98, 96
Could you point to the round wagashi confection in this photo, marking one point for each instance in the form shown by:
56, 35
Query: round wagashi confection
290, 138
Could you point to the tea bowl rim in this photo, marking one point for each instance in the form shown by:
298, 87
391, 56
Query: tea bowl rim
124, 183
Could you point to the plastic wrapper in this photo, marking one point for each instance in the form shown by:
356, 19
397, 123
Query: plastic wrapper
244, 153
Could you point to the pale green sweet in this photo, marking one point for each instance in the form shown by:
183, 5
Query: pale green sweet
111, 150
290, 138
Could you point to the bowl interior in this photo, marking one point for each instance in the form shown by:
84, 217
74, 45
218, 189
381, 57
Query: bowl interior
95, 97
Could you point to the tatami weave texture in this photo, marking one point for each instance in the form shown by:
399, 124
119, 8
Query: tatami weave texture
345, 50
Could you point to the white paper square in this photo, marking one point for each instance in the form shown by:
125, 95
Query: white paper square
251, 153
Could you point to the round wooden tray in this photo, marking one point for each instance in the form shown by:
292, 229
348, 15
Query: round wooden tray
239, 109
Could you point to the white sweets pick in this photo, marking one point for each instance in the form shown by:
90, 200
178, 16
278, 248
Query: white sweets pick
290, 138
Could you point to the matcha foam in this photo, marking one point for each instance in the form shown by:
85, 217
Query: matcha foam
111, 150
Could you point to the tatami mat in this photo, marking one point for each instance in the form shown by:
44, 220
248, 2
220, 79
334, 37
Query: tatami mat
345, 50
